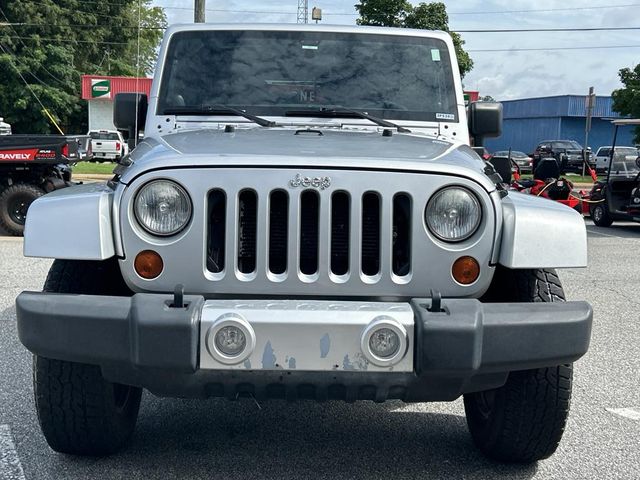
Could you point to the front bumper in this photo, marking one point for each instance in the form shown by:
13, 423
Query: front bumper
144, 341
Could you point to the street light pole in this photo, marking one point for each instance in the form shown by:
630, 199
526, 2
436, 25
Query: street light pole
199, 11
587, 128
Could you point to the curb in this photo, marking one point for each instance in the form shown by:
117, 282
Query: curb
96, 177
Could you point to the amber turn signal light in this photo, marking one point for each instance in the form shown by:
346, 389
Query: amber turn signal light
465, 270
148, 264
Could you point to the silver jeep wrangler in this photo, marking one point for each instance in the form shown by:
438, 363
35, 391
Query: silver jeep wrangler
304, 219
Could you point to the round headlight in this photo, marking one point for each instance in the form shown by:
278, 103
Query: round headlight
453, 214
162, 207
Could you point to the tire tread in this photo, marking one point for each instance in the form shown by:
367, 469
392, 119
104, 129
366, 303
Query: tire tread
531, 409
75, 405
6, 223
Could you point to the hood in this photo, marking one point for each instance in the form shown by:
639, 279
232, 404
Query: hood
305, 148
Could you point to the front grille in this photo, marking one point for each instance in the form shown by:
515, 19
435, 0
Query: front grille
308, 233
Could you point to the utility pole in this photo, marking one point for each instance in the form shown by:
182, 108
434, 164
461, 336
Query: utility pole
303, 11
198, 11
587, 127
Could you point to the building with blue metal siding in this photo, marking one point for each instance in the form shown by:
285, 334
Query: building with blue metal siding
529, 121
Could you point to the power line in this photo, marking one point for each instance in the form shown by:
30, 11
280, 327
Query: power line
541, 49
7, 51
509, 30
55, 77
354, 14
520, 30
536, 10
64, 40
89, 25
2, 47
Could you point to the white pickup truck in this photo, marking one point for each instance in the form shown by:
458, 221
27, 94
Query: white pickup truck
107, 145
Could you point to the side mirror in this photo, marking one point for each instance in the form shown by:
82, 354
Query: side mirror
485, 120
130, 114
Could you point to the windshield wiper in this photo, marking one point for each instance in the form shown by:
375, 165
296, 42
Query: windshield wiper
338, 112
218, 110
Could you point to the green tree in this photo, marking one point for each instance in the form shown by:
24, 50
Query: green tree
51, 43
626, 100
401, 13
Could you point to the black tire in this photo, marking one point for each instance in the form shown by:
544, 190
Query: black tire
14, 203
600, 215
80, 412
522, 421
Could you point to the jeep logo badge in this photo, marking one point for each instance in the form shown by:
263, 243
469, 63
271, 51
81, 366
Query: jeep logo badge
306, 182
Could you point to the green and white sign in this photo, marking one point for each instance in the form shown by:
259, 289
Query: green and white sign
100, 88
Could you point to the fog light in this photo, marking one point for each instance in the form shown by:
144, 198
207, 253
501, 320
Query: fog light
384, 341
231, 339
148, 264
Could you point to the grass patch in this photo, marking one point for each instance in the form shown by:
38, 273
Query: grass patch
94, 167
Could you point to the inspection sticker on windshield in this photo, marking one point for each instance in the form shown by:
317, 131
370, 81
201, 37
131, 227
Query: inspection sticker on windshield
435, 55
445, 116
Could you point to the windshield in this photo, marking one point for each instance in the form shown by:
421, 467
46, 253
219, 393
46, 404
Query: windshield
624, 164
103, 136
272, 72
568, 144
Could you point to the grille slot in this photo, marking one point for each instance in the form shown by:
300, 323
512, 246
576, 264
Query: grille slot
401, 256
247, 230
217, 202
340, 217
370, 258
309, 231
278, 229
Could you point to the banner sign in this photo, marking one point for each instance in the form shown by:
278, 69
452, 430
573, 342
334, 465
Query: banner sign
100, 88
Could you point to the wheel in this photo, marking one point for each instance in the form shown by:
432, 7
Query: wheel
522, 421
14, 203
80, 412
600, 215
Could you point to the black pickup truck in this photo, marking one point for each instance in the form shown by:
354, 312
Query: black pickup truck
30, 166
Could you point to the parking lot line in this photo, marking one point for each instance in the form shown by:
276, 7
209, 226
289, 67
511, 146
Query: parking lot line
632, 413
600, 233
10, 466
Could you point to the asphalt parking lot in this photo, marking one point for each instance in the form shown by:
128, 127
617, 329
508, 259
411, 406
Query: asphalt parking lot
278, 440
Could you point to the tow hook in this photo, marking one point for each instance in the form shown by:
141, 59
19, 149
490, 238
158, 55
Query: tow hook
436, 302
178, 297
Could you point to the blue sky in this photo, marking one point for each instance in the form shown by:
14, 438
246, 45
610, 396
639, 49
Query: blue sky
504, 74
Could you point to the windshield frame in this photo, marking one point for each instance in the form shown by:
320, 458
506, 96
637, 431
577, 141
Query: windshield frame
454, 93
